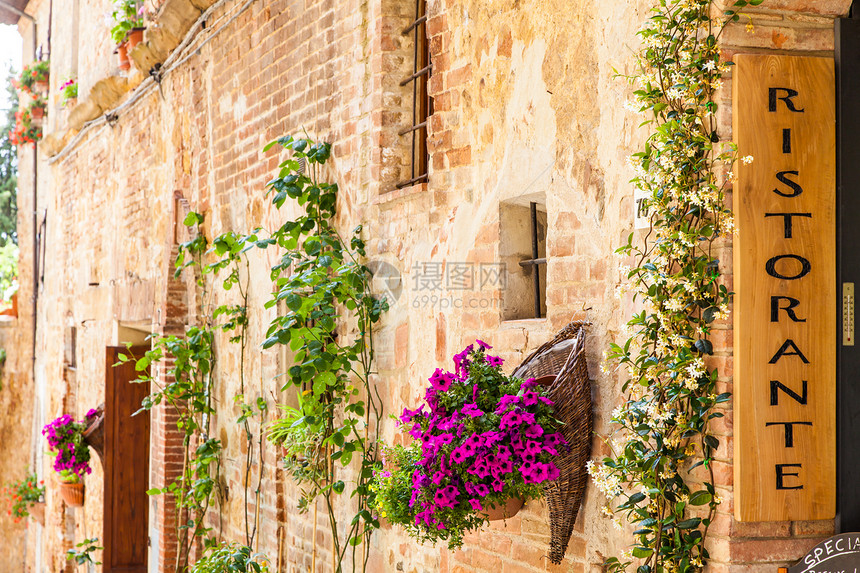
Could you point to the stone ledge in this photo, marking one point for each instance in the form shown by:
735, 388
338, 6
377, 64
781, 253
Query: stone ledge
832, 8
172, 22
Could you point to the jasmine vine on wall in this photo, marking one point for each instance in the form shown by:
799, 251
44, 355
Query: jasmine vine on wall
659, 475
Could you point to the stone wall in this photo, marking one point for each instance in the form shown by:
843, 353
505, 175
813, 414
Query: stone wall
526, 109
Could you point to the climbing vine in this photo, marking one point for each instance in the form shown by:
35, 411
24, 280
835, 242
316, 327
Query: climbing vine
659, 475
327, 319
325, 316
188, 387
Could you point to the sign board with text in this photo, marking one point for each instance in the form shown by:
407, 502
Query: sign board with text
785, 289
839, 554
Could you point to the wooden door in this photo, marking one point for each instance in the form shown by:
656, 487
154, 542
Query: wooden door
126, 505
847, 39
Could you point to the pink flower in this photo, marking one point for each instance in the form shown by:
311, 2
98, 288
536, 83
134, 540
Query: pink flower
472, 410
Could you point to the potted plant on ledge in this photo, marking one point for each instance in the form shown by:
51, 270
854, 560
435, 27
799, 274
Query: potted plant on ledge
71, 454
26, 130
483, 442
26, 497
128, 29
69, 92
37, 109
34, 78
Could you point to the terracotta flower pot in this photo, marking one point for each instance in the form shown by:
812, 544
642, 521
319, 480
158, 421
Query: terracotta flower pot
41, 86
134, 38
510, 509
37, 512
122, 52
13, 310
72, 494
545, 381
37, 112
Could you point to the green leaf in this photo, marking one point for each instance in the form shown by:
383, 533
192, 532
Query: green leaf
690, 523
700, 498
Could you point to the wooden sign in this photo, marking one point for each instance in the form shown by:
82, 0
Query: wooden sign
785, 289
839, 554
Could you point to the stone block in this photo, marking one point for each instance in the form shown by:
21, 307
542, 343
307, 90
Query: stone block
53, 143
107, 91
203, 5
143, 58
177, 17
85, 111
135, 77
160, 42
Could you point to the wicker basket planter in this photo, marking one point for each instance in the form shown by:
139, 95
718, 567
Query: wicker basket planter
94, 435
560, 366
72, 494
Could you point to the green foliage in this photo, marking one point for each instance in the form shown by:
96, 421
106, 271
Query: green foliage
229, 558
9, 170
23, 494
8, 271
392, 484
127, 15
327, 321
37, 71
83, 555
660, 475
69, 91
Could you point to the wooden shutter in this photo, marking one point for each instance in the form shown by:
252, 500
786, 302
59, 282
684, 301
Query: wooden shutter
126, 505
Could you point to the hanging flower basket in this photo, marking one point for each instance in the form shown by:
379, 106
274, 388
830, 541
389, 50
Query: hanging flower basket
560, 366
94, 435
72, 494
483, 441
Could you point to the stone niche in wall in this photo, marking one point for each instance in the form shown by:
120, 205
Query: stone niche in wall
516, 245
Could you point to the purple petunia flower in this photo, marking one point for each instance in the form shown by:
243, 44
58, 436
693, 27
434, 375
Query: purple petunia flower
482, 490
511, 419
495, 361
472, 410
476, 505
458, 455
530, 398
408, 414
534, 431
441, 380
483, 345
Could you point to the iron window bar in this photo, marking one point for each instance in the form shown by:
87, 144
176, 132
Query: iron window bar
422, 103
536, 260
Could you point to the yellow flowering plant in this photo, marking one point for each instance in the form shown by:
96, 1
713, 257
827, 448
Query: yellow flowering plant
659, 476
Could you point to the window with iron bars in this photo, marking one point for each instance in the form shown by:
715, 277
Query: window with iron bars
422, 103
